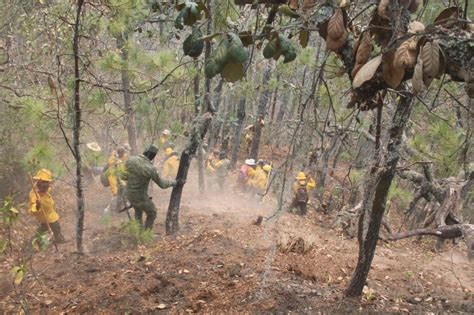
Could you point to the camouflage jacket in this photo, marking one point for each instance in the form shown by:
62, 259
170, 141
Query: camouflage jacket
139, 171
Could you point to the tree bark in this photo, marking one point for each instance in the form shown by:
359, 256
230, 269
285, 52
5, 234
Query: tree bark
261, 112
200, 127
238, 132
376, 205
77, 129
127, 101
200, 155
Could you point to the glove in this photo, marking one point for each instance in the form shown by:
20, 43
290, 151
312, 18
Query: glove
38, 205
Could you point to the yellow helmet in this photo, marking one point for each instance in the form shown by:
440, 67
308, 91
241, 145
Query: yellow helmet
267, 168
44, 175
168, 151
301, 176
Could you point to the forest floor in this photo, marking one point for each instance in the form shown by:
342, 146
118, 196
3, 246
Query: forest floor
221, 262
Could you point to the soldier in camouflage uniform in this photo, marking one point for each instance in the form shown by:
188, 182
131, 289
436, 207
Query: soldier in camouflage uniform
139, 171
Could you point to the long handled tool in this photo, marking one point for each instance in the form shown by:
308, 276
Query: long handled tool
42, 211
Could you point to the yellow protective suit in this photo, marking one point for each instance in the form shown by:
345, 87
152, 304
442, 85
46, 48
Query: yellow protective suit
259, 179
47, 213
170, 167
112, 174
310, 184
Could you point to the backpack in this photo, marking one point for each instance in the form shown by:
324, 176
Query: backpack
302, 195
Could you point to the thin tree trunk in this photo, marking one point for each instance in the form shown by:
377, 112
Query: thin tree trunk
377, 200
127, 101
217, 96
197, 134
77, 129
261, 111
238, 132
200, 156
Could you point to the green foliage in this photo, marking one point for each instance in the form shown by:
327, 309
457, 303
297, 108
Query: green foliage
139, 235
189, 13
18, 272
40, 242
193, 45
227, 59
400, 196
8, 212
280, 46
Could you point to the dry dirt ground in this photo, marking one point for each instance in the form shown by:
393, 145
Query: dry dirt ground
221, 262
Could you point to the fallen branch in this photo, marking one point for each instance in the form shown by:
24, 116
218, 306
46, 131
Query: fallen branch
445, 231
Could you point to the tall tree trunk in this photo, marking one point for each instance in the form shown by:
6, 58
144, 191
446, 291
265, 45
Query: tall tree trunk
127, 101
200, 155
376, 195
238, 132
200, 127
261, 111
77, 129
215, 126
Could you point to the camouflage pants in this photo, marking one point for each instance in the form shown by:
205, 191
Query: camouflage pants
149, 208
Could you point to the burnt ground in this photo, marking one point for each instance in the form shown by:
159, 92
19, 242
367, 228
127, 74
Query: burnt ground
221, 262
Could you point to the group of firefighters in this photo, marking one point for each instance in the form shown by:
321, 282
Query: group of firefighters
128, 178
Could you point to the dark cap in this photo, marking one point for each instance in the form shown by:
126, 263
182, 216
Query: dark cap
151, 149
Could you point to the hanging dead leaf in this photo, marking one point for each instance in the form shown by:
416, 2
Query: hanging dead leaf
430, 55
293, 4
366, 72
336, 27
447, 17
337, 34
308, 5
364, 49
363, 52
442, 63
391, 74
416, 27
411, 5
304, 38
382, 9
417, 81
233, 72
405, 57
380, 28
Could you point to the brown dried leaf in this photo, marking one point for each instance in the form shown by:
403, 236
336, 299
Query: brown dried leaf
336, 27
405, 57
430, 55
417, 81
442, 63
411, 5
391, 74
364, 49
366, 72
447, 17
308, 4
337, 34
416, 27
293, 4
381, 30
382, 9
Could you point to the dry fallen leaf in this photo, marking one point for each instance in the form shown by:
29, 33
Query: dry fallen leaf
308, 4
447, 17
161, 306
293, 4
366, 72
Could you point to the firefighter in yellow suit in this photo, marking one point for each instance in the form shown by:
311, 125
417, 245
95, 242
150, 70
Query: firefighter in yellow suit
41, 205
171, 164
